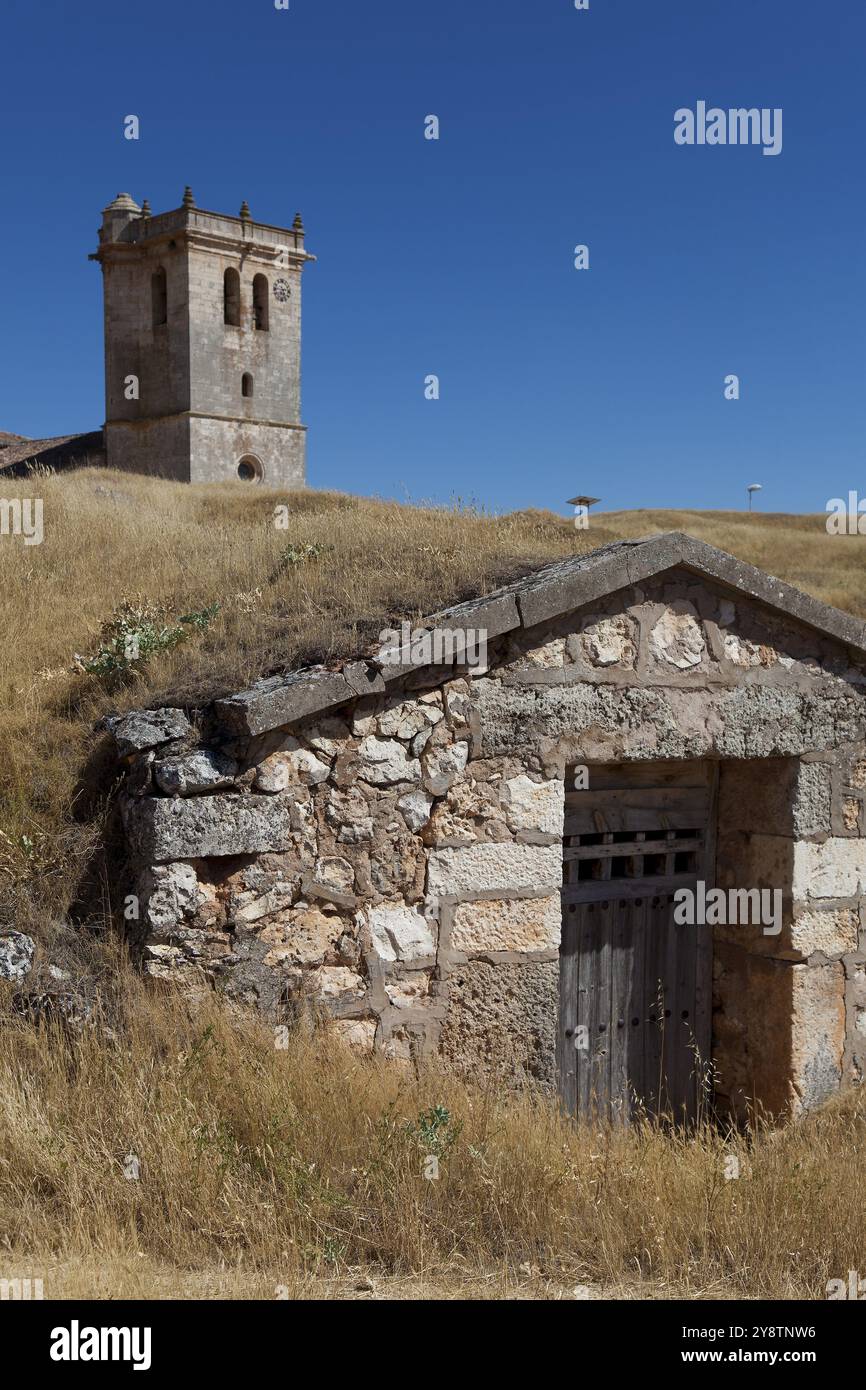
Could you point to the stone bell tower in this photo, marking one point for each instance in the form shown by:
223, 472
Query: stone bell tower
202, 344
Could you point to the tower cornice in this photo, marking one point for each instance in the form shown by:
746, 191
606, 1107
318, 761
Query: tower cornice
207, 231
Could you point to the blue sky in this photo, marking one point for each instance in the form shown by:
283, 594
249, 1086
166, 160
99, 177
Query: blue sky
455, 256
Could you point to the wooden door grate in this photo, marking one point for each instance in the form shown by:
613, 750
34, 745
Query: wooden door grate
635, 863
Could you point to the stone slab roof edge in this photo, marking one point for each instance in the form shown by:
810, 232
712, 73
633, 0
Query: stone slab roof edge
33, 450
546, 594
704, 559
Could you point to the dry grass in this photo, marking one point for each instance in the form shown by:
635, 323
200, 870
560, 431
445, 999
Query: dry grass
300, 1168
110, 537
304, 1167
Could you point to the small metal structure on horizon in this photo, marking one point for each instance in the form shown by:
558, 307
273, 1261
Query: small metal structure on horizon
581, 510
753, 487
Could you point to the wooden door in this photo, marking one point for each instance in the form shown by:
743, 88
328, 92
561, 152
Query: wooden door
635, 988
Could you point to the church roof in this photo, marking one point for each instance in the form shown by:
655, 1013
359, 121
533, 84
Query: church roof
538, 597
56, 452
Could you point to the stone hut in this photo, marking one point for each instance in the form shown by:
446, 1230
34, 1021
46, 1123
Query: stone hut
600, 831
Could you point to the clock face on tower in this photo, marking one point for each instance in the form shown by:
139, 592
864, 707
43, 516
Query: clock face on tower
282, 290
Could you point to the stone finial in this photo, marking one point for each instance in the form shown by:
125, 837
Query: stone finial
123, 203
188, 199
245, 211
298, 223
145, 208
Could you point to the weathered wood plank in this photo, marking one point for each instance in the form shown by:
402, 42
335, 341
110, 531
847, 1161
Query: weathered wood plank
589, 918
601, 1042
671, 1097
703, 1027
595, 889
626, 848
622, 953
589, 812
656, 924
659, 775
683, 1085
568, 982
636, 1012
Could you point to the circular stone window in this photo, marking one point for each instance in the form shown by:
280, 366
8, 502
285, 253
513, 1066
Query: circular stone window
250, 470
282, 290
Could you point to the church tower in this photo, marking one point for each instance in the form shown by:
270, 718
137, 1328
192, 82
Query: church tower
202, 344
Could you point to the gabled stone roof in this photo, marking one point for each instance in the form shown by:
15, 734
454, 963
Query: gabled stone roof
546, 594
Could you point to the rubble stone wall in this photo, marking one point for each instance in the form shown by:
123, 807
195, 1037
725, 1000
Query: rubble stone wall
395, 861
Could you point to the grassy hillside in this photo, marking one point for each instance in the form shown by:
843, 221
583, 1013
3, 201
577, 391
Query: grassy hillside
146, 553
301, 1168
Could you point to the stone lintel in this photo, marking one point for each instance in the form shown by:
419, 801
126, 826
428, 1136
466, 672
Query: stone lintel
364, 678
494, 615
163, 829
565, 587
731, 679
503, 957
282, 700
483, 895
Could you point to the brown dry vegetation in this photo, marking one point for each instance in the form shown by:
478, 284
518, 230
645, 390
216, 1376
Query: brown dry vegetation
304, 1167
262, 1167
110, 537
